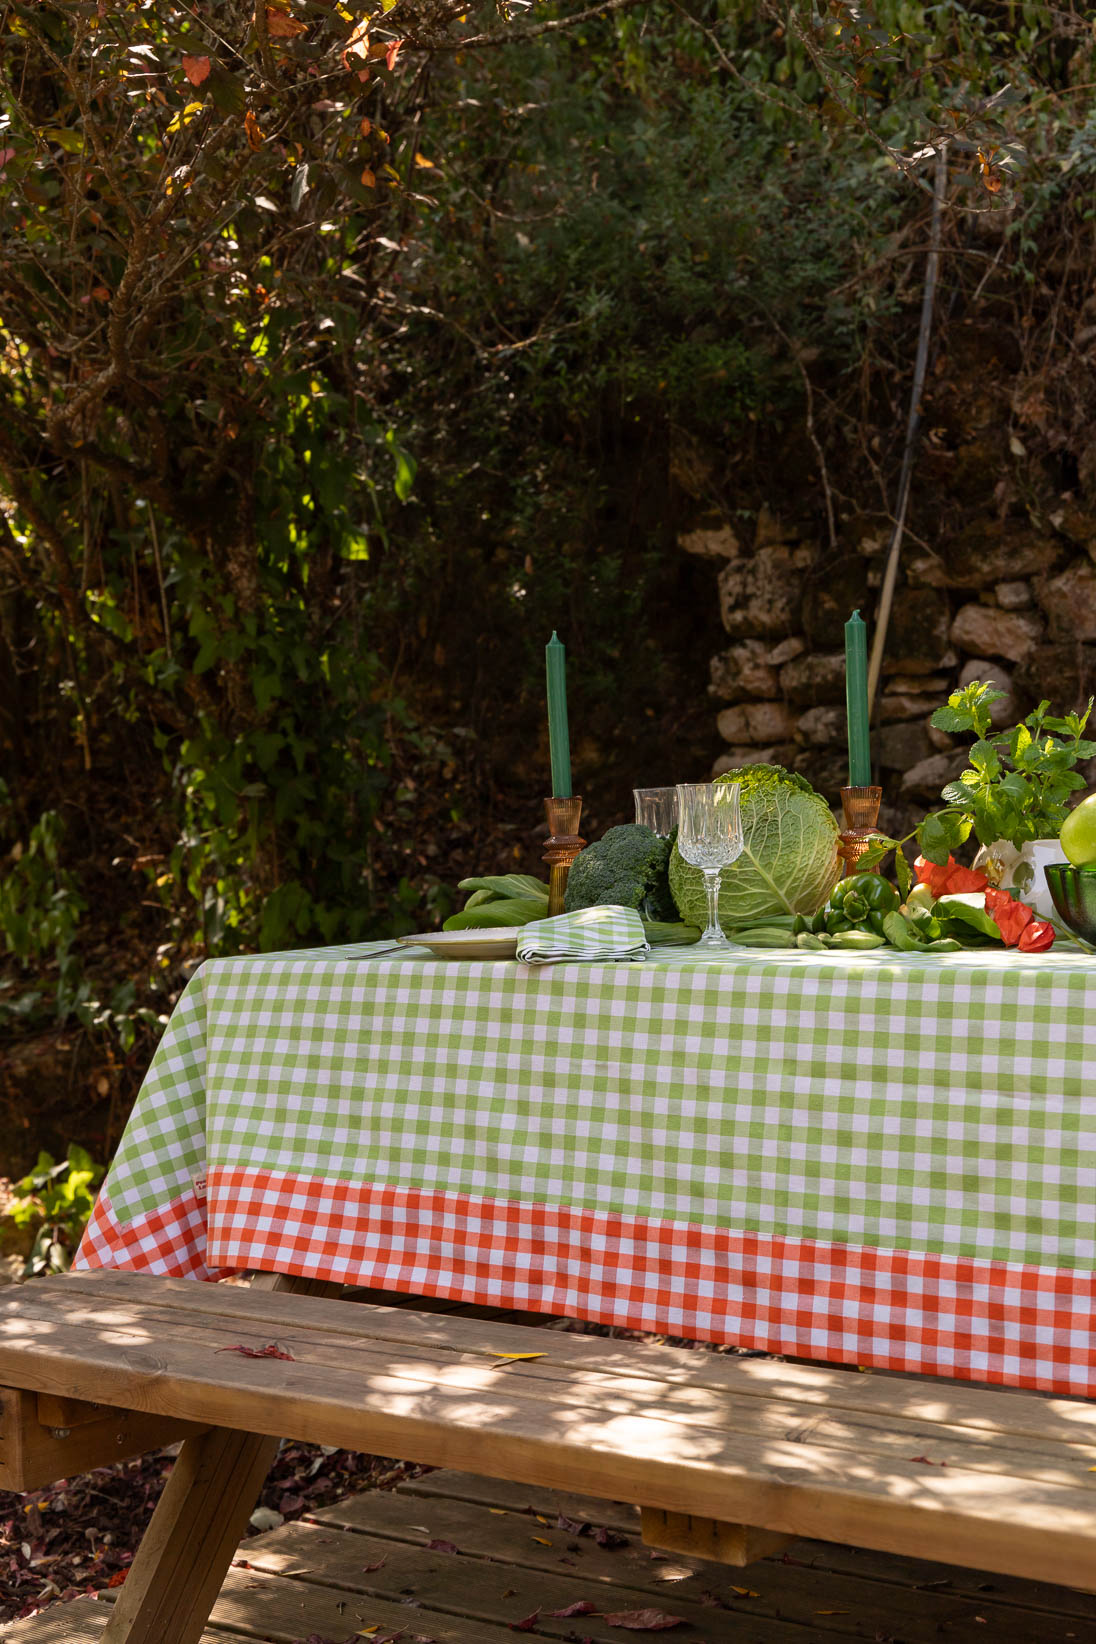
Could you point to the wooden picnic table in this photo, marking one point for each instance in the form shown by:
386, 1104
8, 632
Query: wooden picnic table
870, 1160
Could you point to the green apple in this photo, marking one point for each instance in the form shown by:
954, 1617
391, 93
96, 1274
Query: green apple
1078, 835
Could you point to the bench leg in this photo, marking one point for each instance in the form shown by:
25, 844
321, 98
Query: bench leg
710, 1537
174, 1580
185, 1553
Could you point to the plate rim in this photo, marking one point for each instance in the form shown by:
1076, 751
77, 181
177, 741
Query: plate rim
443, 941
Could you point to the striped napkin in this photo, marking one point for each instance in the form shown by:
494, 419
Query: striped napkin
591, 933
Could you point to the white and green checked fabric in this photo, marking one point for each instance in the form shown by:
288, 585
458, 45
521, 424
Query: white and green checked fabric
605, 933
883, 1159
944, 1103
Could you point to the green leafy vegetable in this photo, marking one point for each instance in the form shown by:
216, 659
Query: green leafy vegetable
789, 863
506, 884
959, 916
510, 910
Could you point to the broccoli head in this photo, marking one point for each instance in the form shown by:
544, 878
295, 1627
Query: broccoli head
629, 866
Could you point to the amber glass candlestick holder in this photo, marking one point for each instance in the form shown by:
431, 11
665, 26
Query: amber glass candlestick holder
860, 809
562, 846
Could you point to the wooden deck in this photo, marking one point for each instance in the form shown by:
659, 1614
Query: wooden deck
365, 1569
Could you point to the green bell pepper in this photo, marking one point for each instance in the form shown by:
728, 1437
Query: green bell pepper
876, 893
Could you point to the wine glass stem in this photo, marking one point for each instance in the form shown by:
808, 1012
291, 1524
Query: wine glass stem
714, 931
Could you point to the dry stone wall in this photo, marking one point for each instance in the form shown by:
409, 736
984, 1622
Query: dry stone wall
1000, 600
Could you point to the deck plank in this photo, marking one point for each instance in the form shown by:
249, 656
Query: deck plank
796, 1590
315, 1577
910, 1574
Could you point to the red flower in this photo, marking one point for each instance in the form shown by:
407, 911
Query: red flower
1037, 937
1011, 918
949, 878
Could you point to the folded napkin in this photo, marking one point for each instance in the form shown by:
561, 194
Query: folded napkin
591, 933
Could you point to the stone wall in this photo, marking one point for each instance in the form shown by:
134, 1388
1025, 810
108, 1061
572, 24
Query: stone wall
999, 600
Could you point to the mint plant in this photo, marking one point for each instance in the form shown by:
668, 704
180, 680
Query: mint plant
1018, 783
1016, 787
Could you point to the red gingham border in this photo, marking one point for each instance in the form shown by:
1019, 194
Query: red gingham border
897, 1310
170, 1240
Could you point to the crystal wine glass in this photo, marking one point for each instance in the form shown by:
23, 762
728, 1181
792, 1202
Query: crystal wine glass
656, 808
710, 837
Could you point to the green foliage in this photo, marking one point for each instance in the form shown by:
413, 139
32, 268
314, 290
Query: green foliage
279, 425
1018, 784
55, 1200
40, 908
627, 867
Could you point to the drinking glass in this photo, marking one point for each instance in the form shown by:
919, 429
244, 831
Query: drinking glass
710, 837
656, 808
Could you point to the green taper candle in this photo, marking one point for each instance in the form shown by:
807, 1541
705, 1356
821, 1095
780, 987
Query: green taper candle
856, 701
555, 656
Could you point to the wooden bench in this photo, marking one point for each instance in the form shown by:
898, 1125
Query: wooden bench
726, 1456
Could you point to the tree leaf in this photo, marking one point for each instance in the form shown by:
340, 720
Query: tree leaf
196, 69
227, 91
300, 186
280, 26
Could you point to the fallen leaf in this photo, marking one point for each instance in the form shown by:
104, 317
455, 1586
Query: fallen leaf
196, 69
540, 1541
928, 1461
439, 1546
517, 1356
645, 1621
369, 1568
574, 1528
526, 1624
609, 1538
540, 1518
745, 1592
500, 1512
270, 1351
581, 1606
831, 1612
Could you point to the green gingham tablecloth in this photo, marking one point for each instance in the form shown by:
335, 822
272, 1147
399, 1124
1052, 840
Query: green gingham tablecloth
886, 1159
